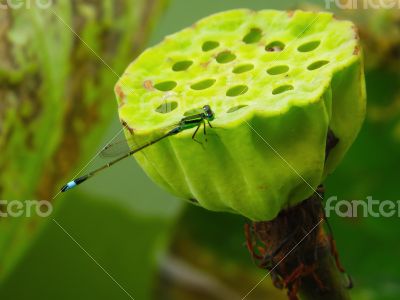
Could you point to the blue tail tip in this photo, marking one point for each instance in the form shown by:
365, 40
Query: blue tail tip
68, 186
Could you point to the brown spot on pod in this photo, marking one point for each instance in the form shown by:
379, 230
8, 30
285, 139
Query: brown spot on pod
148, 85
130, 129
290, 13
205, 64
121, 95
119, 92
356, 50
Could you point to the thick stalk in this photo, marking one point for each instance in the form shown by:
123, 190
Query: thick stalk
298, 253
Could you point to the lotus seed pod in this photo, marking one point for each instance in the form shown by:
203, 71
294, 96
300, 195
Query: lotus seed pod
277, 82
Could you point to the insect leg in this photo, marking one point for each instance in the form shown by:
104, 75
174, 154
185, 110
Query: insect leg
195, 133
204, 130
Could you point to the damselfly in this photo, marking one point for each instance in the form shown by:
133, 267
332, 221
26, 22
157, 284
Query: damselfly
192, 121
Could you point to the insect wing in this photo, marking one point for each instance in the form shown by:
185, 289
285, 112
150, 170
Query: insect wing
124, 145
115, 148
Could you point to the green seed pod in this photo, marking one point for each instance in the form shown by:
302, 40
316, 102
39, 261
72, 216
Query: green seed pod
277, 82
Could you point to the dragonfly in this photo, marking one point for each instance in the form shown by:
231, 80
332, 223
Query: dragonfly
188, 122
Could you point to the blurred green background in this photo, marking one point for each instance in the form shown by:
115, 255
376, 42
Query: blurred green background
122, 237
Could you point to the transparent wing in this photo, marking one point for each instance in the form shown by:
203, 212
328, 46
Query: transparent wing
116, 148
121, 146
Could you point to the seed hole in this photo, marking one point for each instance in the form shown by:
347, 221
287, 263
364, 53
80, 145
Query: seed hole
310, 46
253, 36
167, 107
235, 108
182, 65
317, 64
282, 89
278, 70
202, 85
209, 45
165, 86
243, 68
275, 46
237, 90
225, 57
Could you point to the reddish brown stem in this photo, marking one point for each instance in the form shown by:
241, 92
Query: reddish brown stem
298, 254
